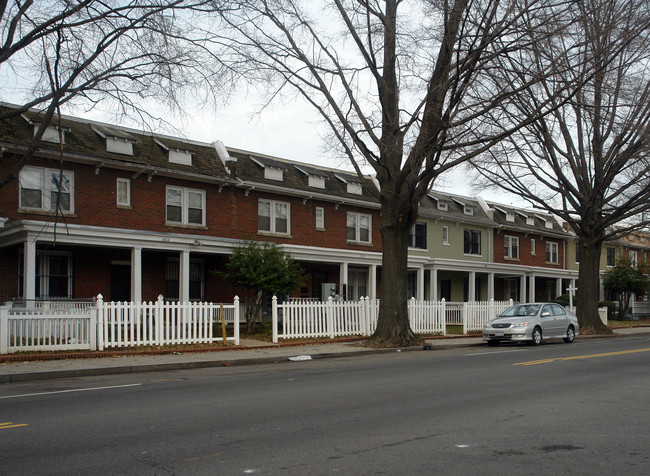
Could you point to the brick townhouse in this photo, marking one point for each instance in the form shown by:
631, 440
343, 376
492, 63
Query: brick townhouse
142, 214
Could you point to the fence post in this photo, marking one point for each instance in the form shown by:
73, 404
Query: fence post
158, 319
274, 318
4, 329
236, 322
464, 313
330, 317
443, 310
363, 315
92, 327
100, 322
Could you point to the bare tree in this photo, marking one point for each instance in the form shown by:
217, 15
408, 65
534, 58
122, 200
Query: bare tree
588, 161
403, 87
121, 53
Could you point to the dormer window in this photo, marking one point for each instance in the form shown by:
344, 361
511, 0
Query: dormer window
315, 177
353, 185
273, 173
176, 155
548, 223
183, 157
468, 210
316, 181
530, 221
273, 169
510, 217
51, 134
117, 141
443, 206
354, 188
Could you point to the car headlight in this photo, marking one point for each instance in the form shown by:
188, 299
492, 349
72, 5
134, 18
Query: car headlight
488, 325
521, 324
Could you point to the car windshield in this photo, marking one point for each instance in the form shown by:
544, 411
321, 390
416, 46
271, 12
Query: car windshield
521, 310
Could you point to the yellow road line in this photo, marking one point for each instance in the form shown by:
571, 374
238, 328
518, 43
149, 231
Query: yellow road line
580, 357
10, 424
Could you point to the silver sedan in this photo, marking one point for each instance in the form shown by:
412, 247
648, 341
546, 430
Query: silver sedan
532, 323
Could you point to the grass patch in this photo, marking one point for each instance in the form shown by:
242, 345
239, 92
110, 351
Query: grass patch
642, 321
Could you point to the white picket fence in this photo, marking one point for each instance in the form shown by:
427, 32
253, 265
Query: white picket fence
298, 319
114, 325
130, 324
477, 313
47, 330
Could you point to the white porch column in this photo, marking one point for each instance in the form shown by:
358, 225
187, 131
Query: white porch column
372, 285
471, 288
531, 291
433, 294
522, 289
490, 290
136, 274
421, 283
343, 277
184, 276
29, 269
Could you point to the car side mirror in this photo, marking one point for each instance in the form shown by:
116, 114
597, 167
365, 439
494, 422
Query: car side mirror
546, 314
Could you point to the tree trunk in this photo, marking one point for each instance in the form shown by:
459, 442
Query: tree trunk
589, 287
393, 327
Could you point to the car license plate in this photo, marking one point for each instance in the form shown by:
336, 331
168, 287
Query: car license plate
498, 333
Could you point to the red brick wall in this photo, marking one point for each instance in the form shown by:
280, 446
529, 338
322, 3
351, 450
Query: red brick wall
525, 256
230, 213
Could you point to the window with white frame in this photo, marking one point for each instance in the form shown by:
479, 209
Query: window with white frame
123, 192
443, 206
53, 274
359, 227
273, 217
46, 189
185, 206
418, 236
468, 210
511, 247
551, 252
634, 258
472, 242
320, 218
445, 235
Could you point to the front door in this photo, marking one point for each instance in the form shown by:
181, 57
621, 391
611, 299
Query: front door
120, 282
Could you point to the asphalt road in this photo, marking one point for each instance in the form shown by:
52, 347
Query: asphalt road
582, 408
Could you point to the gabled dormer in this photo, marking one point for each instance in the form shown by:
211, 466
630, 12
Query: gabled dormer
176, 155
273, 169
53, 133
315, 177
117, 141
352, 183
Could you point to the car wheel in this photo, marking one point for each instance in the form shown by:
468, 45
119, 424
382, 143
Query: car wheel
570, 335
537, 336
493, 343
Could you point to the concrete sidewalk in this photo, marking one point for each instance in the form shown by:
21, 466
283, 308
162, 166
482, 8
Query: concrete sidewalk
249, 352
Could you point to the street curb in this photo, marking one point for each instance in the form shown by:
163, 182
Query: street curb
127, 369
